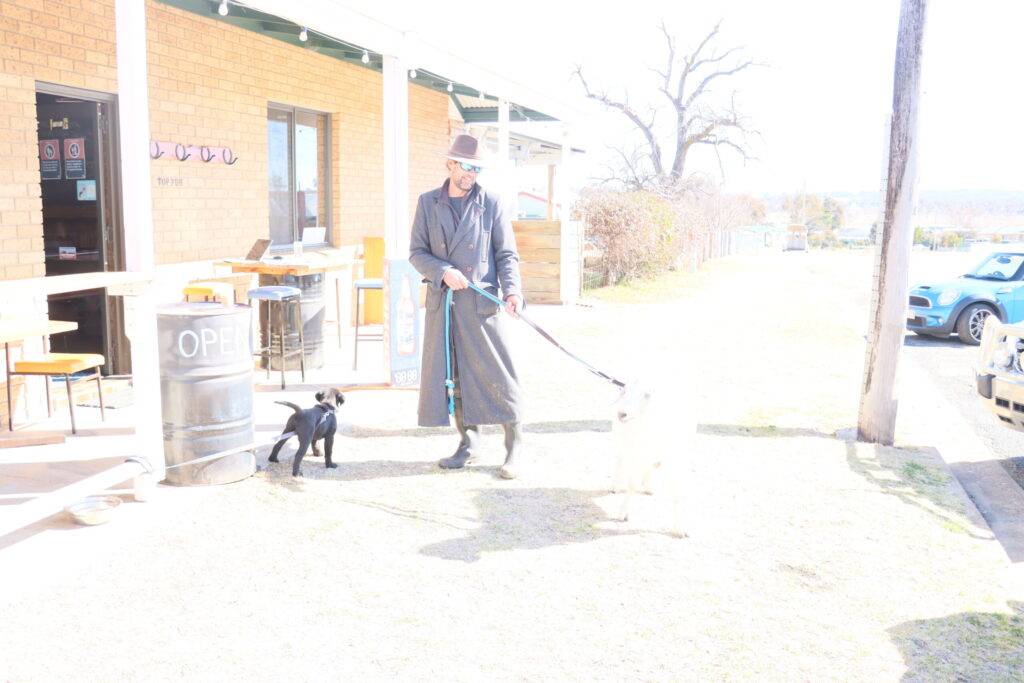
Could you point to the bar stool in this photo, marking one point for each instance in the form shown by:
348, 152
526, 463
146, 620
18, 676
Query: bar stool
361, 285
220, 292
282, 298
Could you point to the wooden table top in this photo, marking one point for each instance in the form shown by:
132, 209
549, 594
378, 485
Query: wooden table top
20, 329
290, 266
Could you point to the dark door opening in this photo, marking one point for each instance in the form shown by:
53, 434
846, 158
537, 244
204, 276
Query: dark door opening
80, 213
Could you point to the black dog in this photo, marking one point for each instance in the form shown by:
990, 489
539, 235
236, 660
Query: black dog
311, 425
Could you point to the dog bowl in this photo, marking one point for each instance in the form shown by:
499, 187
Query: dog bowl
94, 509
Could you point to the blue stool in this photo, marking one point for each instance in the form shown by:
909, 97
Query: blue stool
361, 285
283, 298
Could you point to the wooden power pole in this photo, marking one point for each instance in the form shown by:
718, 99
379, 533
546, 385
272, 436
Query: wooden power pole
877, 420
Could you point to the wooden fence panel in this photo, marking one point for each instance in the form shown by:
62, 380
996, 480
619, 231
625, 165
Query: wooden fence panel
549, 258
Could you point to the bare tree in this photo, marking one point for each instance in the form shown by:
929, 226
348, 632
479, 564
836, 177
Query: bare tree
685, 82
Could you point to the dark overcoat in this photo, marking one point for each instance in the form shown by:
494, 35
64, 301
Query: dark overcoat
482, 246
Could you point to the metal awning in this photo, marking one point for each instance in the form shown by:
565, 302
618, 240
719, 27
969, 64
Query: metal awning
474, 108
527, 150
363, 43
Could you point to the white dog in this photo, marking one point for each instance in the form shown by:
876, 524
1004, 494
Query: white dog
653, 432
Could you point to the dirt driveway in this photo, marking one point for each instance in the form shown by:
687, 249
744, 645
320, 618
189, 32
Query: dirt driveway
808, 557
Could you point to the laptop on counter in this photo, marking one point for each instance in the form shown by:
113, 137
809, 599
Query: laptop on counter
313, 236
256, 252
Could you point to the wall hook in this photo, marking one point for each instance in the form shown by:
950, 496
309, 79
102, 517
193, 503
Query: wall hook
181, 152
205, 154
154, 145
228, 156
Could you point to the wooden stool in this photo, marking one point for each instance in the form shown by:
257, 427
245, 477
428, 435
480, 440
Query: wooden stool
65, 364
221, 292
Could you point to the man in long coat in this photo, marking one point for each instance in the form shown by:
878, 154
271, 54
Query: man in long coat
461, 234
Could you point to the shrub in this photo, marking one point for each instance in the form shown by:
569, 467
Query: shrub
824, 239
633, 231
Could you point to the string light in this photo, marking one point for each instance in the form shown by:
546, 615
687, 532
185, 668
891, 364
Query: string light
412, 73
366, 57
223, 9
303, 34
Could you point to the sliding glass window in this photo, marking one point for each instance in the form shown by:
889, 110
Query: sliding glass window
298, 142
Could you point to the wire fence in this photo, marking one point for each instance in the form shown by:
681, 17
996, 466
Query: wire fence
726, 243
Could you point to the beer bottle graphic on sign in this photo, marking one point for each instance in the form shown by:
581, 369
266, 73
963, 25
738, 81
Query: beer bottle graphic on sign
406, 321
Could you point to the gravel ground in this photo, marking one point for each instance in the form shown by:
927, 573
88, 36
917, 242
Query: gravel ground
808, 557
951, 364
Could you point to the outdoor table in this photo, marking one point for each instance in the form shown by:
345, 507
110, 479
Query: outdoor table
19, 330
308, 274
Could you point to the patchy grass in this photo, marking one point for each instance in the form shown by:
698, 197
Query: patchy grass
919, 474
668, 286
969, 646
665, 287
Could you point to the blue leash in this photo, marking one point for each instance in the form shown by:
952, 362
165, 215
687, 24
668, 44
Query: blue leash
449, 383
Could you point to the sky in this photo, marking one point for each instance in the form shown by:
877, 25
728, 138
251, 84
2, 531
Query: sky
820, 99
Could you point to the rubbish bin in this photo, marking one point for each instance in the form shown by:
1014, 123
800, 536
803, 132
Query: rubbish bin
206, 389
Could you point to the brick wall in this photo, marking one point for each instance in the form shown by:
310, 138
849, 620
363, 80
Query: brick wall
64, 41
429, 139
210, 84
21, 217
59, 41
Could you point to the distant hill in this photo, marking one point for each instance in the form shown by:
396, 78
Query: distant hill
990, 201
970, 209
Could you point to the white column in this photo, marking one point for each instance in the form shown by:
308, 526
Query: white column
396, 158
570, 237
506, 177
551, 192
562, 196
133, 130
137, 209
140, 328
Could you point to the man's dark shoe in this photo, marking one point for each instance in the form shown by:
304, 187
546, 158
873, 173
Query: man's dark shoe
513, 445
457, 460
469, 439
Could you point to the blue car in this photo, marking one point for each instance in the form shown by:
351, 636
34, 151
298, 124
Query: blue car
995, 287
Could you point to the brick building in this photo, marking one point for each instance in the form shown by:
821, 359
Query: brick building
261, 118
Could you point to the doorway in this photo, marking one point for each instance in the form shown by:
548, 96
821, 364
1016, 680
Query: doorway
81, 215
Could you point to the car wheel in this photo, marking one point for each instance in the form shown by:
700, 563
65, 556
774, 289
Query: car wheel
971, 323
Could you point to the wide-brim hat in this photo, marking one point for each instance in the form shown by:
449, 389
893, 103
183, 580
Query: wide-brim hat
467, 149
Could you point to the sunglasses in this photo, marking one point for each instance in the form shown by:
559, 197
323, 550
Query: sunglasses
470, 167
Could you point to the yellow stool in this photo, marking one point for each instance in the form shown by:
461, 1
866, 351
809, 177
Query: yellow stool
221, 292
65, 364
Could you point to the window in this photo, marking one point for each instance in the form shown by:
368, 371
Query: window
999, 267
299, 173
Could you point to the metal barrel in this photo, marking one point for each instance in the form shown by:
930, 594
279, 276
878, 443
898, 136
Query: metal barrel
206, 389
313, 311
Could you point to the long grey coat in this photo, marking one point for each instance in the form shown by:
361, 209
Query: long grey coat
483, 247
